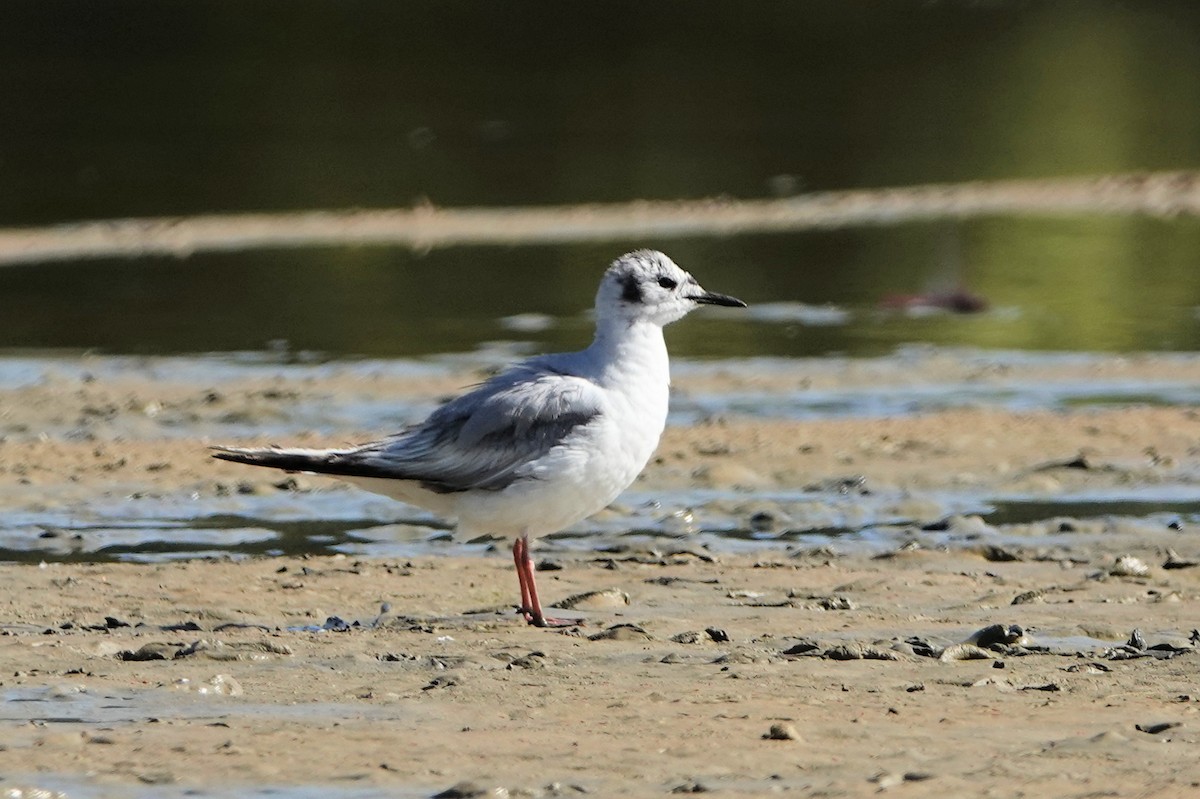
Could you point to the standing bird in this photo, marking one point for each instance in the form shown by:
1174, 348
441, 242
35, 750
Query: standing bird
545, 444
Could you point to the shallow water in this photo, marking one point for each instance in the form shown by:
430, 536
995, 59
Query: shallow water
334, 518
340, 520
910, 380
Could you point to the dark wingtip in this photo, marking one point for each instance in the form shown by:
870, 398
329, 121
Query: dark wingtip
237, 456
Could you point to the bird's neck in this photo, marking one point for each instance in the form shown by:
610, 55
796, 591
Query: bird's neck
630, 351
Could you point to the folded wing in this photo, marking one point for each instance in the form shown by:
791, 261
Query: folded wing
479, 441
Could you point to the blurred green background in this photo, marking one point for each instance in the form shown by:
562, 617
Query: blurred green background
153, 107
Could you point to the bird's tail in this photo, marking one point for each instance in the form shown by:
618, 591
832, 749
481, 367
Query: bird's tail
322, 461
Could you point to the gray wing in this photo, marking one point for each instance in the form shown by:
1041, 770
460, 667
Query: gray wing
482, 439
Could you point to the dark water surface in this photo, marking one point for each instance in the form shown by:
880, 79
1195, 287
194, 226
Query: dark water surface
141, 108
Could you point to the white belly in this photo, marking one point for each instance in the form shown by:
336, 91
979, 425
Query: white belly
576, 479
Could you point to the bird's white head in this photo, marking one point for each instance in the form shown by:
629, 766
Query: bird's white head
647, 286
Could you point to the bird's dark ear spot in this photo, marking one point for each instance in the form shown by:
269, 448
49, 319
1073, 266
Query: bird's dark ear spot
631, 292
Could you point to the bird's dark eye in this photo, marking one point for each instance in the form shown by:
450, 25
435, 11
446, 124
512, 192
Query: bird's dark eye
667, 283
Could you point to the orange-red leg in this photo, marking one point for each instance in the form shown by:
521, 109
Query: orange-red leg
520, 556
531, 606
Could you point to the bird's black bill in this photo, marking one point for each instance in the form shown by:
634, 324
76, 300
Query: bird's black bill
709, 298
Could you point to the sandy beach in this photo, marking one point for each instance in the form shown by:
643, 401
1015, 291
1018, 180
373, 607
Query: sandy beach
831, 670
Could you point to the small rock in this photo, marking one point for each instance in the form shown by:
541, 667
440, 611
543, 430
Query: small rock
691, 786
1129, 566
1029, 598
964, 652
152, 651
887, 779
534, 660
1155, 729
996, 634
336, 624
805, 648
1080, 461
717, 635
595, 600
237, 650
1175, 562
857, 651
853, 484
689, 637
1136, 640
1087, 668
763, 522
997, 554
622, 632
782, 732
223, 685
470, 790
829, 602
1050, 687
181, 627
218, 685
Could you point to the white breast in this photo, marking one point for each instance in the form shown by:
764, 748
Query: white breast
592, 466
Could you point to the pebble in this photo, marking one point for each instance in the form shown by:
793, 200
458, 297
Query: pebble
691, 786
804, 648
1129, 566
471, 790
964, 652
533, 660
857, 651
595, 600
218, 685
622, 632
1034, 597
152, 651
237, 650
998, 554
996, 634
785, 731
1173, 561
716, 634
816, 602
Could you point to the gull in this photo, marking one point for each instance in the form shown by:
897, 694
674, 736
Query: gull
543, 445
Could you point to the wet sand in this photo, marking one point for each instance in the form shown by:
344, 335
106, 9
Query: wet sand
682, 669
